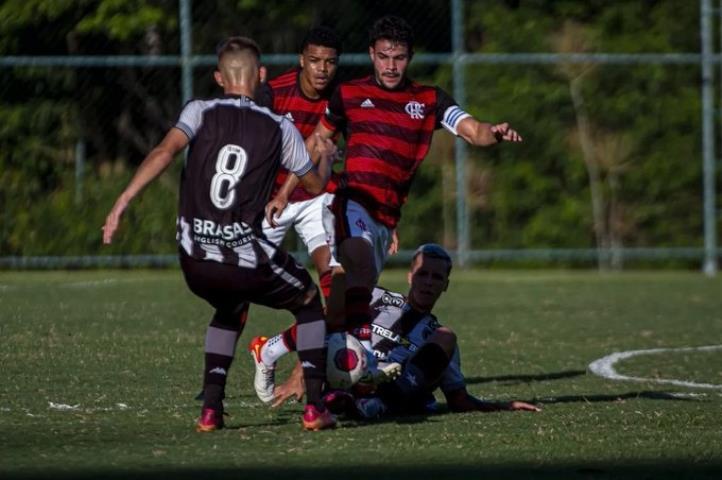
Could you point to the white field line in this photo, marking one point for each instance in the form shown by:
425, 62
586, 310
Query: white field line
117, 407
604, 367
91, 283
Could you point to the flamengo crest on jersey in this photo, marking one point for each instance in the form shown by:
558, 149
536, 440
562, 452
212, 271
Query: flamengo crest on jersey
388, 135
415, 110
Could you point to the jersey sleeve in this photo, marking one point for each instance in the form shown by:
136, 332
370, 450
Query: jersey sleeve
190, 118
335, 116
448, 112
295, 156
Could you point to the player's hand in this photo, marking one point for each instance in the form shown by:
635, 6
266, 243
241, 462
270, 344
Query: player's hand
503, 133
523, 406
394, 244
274, 209
293, 388
324, 147
113, 219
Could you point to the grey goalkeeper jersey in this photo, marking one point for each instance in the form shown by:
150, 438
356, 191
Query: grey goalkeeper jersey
234, 154
397, 331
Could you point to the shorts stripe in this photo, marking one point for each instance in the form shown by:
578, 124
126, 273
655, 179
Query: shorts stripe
287, 277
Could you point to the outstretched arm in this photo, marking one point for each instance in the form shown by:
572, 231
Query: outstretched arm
461, 401
153, 165
483, 134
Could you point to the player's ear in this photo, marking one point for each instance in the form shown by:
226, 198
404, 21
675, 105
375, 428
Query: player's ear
409, 275
300, 60
371, 53
218, 78
262, 74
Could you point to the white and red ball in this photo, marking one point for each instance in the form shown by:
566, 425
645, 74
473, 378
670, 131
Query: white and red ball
346, 361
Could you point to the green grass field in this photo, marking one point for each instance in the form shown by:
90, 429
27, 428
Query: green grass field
122, 350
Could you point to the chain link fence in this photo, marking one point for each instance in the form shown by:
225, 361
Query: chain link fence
610, 173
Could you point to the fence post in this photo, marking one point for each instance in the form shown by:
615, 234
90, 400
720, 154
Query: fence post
186, 42
708, 141
462, 216
79, 169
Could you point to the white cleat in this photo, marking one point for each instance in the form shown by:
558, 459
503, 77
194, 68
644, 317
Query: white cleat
264, 380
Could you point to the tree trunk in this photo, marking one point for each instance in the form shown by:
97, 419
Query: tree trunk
595, 184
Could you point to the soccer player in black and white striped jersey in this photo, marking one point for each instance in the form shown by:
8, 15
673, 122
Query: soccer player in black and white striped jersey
235, 150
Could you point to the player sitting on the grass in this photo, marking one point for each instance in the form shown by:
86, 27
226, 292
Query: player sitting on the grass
405, 331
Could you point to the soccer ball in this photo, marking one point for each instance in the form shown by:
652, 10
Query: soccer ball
346, 361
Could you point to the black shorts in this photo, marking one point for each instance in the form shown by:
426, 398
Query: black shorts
420, 402
279, 283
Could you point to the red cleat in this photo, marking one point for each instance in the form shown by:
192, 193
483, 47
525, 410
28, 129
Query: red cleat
210, 421
314, 420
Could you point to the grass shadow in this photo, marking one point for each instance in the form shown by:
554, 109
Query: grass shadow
644, 469
516, 379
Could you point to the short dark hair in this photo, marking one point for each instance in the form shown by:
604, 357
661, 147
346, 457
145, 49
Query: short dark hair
237, 44
323, 36
392, 28
433, 250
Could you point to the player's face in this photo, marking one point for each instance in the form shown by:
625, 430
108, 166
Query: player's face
390, 61
428, 279
318, 66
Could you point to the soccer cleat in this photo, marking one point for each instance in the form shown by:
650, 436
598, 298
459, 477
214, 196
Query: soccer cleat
264, 380
339, 402
210, 421
314, 420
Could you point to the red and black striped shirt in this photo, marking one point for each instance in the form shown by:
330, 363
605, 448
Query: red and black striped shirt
284, 96
388, 135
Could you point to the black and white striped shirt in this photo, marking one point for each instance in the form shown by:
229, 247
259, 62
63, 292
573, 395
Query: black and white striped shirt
235, 151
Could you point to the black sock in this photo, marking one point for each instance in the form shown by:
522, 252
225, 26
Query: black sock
357, 307
311, 348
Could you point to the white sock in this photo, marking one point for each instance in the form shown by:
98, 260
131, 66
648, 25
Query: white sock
273, 349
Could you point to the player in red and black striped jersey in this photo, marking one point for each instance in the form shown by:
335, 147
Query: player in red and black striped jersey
301, 94
234, 151
389, 121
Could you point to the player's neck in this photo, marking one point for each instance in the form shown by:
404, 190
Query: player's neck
238, 90
414, 306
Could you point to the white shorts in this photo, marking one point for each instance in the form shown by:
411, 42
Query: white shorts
307, 218
361, 224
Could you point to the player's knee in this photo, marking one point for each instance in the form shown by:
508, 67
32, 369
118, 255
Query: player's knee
309, 300
231, 318
445, 338
357, 258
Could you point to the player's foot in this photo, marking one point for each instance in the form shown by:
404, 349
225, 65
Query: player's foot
313, 419
265, 379
210, 421
339, 402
